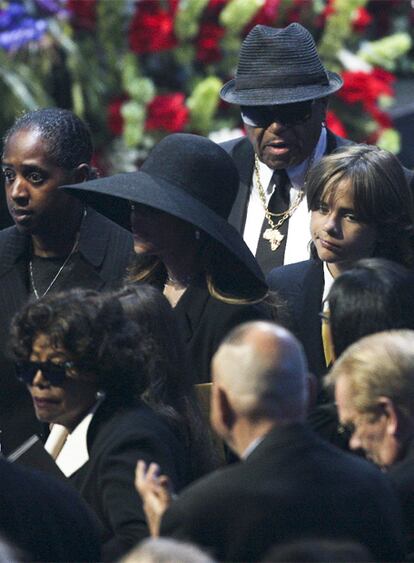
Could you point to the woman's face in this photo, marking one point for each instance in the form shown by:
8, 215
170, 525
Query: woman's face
339, 236
156, 232
64, 404
31, 181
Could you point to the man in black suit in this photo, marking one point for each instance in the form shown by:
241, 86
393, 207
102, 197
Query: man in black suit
374, 391
289, 483
282, 89
56, 243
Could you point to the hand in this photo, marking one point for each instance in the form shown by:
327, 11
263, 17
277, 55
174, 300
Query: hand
156, 493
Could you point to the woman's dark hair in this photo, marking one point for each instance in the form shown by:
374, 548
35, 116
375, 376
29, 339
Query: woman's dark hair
68, 138
95, 334
380, 191
170, 390
373, 296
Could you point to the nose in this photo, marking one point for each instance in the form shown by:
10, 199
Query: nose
276, 126
18, 192
39, 380
332, 225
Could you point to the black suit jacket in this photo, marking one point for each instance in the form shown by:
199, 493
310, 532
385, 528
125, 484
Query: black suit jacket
104, 253
401, 475
293, 485
203, 323
301, 287
117, 438
45, 518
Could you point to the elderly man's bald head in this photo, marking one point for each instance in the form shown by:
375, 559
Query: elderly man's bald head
263, 369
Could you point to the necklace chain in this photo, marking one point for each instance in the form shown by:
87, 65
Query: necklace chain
273, 235
68, 257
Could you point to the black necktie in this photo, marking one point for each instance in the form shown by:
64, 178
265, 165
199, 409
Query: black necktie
278, 203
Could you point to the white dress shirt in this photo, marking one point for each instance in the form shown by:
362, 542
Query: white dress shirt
298, 235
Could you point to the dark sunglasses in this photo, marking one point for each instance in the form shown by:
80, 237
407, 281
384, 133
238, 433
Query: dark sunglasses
53, 372
287, 114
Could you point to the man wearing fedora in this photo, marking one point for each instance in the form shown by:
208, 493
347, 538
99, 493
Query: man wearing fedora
282, 88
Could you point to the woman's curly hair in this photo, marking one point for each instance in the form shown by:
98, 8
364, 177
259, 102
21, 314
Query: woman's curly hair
95, 334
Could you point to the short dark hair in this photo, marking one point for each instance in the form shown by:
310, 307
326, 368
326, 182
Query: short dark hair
68, 138
373, 296
95, 334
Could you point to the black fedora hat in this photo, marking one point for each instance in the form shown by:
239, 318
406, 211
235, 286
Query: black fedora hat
194, 179
279, 66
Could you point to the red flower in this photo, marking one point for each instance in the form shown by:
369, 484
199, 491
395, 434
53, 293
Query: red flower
366, 87
152, 27
208, 43
83, 13
115, 120
361, 20
167, 112
335, 124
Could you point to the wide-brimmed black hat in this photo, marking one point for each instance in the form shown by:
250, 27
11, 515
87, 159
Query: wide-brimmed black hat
194, 179
279, 66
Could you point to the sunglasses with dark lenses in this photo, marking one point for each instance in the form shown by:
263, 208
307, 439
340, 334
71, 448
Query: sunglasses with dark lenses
53, 372
287, 114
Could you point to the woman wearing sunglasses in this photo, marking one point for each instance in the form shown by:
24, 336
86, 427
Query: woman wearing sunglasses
83, 362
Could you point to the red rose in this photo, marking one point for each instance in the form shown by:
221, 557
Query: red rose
335, 124
366, 87
83, 13
361, 20
167, 112
152, 27
115, 120
208, 43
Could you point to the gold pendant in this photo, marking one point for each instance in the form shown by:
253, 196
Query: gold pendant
274, 236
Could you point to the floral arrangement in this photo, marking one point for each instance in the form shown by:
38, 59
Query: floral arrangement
137, 70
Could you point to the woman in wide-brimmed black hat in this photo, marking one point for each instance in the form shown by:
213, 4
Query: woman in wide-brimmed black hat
180, 200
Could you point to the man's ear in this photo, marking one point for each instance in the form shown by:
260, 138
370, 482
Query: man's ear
391, 412
227, 414
81, 173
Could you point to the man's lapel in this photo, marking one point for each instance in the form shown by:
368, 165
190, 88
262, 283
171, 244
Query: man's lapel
243, 156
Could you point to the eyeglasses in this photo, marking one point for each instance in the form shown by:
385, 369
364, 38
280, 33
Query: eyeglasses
286, 114
54, 373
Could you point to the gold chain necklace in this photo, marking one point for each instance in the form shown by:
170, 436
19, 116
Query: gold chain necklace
273, 234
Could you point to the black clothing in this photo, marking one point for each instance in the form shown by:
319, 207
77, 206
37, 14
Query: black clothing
292, 485
204, 321
45, 518
117, 438
401, 475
